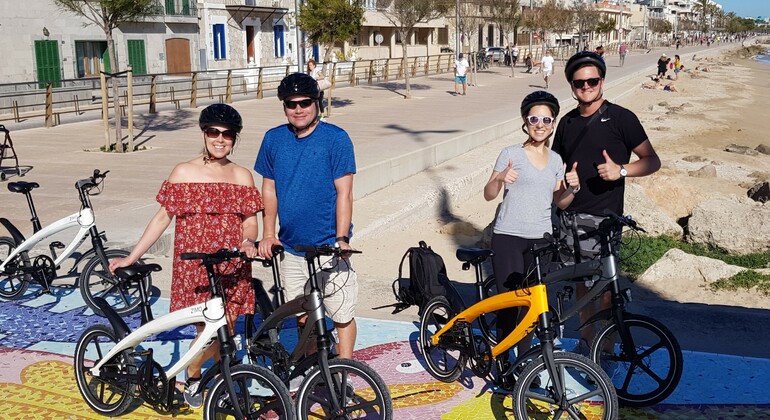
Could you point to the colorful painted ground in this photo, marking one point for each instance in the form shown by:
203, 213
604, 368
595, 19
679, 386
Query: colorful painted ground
38, 336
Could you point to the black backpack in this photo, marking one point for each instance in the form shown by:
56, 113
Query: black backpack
427, 279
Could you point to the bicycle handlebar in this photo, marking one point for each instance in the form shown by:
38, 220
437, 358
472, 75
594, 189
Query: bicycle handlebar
91, 182
324, 250
226, 255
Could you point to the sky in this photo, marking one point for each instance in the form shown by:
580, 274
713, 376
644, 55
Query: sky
745, 8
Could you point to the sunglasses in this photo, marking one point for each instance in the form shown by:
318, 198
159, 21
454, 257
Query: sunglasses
303, 103
536, 119
592, 82
213, 133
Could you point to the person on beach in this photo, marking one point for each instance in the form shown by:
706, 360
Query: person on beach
622, 51
533, 178
678, 66
657, 84
663, 65
215, 203
547, 65
307, 169
599, 137
461, 68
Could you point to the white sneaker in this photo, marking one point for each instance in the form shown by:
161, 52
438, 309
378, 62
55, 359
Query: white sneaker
192, 397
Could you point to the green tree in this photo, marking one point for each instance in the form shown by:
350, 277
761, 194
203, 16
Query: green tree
704, 9
605, 26
329, 21
585, 20
109, 15
506, 14
405, 15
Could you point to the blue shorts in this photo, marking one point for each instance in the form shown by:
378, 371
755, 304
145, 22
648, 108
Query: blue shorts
460, 79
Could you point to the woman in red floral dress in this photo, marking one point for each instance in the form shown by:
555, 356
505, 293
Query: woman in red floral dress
215, 203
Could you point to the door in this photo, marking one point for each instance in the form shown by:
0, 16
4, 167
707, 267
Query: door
48, 65
178, 55
136, 56
251, 57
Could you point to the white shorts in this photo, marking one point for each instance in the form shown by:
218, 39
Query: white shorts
547, 72
339, 280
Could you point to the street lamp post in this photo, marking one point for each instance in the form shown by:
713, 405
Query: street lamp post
457, 28
530, 31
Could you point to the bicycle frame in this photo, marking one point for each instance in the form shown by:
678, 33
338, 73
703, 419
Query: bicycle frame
211, 313
84, 219
534, 298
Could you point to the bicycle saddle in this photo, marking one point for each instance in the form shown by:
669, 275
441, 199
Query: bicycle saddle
136, 270
22, 187
473, 255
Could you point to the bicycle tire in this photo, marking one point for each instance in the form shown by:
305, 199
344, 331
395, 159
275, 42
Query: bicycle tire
364, 394
13, 286
587, 388
96, 281
656, 355
108, 397
267, 396
488, 321
440, 363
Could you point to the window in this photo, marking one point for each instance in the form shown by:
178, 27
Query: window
92, 56
47, 58
370, 4
278, 47
220, 46
443, 35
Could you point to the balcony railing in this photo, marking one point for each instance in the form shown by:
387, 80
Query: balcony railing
177, 7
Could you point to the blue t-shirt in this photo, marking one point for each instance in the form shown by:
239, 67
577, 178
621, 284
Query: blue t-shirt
304, 171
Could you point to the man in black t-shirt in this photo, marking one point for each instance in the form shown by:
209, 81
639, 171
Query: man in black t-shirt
599, 136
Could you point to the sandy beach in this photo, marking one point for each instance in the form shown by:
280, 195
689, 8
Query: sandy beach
722, 102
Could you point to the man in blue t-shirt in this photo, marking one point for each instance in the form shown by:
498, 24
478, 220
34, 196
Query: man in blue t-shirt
307, 168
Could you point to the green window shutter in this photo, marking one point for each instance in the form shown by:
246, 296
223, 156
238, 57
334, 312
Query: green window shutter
170, 9
48, 65
106, 59
136, 56
186, 7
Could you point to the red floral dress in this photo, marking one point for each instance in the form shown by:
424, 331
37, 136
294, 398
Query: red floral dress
209, 218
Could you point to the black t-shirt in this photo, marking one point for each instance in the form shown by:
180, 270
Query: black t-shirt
616, 130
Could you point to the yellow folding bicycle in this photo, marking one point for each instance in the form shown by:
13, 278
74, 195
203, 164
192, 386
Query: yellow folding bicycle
554, 384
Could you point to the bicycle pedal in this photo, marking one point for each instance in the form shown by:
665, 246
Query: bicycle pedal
43, 292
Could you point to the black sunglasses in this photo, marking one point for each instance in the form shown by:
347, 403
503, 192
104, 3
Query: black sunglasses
213, 133
592, 82
303, 103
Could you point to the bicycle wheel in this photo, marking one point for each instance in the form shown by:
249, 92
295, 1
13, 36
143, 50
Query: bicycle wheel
647, 373
359, 390
259, 394
12, 284
106, 394
586, 391
488, 322
97, 281
444, 364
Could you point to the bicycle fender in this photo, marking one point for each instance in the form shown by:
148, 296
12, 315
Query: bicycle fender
603, 315
117, 323
15, 234
208, 375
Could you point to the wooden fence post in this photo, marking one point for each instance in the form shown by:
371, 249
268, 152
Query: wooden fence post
153, 94
194, 91
260, 86
353, 74
49, 105
371, 71
229, 90
105, 111
130, 105
387, 69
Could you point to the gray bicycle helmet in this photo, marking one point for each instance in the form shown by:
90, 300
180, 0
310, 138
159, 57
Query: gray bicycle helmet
582, 59
540, 97
221, 114
298, 84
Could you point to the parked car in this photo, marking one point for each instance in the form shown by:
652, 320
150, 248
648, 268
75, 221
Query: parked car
496, 53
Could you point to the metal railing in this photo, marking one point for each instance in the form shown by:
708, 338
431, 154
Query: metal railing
24, 101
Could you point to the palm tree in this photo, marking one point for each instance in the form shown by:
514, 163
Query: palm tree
704, 9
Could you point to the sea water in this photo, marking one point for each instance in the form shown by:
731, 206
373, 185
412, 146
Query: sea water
763, 58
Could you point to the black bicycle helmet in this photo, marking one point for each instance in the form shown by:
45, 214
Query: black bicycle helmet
540, 97
582, 59
298, 84
221, 114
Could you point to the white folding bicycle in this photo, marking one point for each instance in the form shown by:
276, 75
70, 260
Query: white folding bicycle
18, 268
112, 366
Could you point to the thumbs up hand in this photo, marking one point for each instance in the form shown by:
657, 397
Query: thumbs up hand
572, 178
509, 175
609, 170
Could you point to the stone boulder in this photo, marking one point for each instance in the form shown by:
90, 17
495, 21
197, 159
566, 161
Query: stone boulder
741, 150
706, 171
677, 265
763, 148
760, 192
650, 216
737, 225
